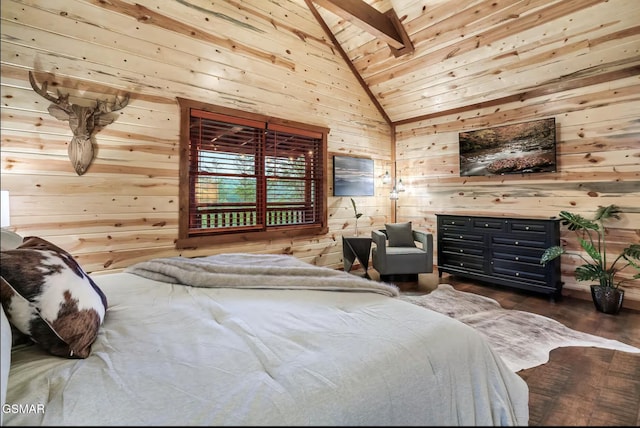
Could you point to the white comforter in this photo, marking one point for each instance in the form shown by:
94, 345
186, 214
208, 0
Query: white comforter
171, 354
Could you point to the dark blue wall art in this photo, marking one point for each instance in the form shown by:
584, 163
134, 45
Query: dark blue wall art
352, 176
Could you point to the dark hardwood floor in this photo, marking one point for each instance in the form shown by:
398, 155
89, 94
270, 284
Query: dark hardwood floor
579, 386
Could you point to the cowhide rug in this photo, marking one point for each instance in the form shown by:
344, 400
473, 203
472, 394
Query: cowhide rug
522, 339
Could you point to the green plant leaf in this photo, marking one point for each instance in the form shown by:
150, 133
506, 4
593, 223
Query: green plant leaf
610, 211
591, 250
592, 239
589, 273
632, 255
551, 253
577, 222
355, 210
632, 252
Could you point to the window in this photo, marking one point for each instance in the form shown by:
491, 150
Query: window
243, 175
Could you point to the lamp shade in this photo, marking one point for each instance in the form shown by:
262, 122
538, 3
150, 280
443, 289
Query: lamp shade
394, 193
4, 208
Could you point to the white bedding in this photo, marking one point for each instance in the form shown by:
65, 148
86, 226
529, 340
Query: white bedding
170, 354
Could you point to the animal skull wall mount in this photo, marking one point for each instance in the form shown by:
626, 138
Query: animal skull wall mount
83, 121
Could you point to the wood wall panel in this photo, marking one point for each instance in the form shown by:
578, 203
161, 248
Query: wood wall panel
477, 63
273, 61
598, 164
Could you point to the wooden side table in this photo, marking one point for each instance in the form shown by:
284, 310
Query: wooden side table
356, 248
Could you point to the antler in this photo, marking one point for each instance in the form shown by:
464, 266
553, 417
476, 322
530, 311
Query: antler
83, 121
61, 100
109, 107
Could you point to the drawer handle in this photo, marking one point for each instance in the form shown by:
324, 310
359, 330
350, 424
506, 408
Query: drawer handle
462, 251
486, 225
460, 236
526, 228
517, 258
461, 264
516, 242
517, 273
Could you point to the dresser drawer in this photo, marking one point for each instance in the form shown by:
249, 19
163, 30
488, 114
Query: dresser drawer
462, 236
532, 252
523, 271
521, 277
531, 258
453, 223
464, 262
527, 227
519, 242
493, 224
454, 249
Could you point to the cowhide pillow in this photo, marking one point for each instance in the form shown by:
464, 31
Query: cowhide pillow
47, 296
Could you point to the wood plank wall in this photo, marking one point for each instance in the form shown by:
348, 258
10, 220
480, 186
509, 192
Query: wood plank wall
255, 57
598, 157
124, 209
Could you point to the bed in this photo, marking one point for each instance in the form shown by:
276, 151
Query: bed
246, 339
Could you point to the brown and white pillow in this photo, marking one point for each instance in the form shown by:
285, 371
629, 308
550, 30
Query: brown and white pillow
47, 296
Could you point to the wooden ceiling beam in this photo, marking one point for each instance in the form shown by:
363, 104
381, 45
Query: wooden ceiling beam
347, 60
385, 26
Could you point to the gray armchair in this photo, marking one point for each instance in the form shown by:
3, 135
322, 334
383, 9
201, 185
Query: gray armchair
401, 259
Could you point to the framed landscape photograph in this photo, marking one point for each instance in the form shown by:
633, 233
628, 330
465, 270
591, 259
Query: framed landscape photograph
352, 176
521, 148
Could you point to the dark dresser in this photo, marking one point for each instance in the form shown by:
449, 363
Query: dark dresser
500, 250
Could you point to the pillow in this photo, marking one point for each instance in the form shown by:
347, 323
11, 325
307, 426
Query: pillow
9, 239
47, 296
5, 359
400, 234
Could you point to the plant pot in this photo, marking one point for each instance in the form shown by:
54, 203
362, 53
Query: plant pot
607, 299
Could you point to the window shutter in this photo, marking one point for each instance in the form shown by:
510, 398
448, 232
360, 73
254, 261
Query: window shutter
248, 175
294, 174
224, 173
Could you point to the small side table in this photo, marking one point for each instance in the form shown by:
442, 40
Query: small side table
356, 248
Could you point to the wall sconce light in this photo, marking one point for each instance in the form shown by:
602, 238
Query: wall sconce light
394, 194
5, 220
398, 186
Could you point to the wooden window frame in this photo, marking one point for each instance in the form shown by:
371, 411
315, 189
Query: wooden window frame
185, 238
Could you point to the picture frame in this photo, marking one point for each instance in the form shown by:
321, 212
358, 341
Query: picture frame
352, 176
520, 148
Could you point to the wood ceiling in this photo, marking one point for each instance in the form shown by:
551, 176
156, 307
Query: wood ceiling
466, 54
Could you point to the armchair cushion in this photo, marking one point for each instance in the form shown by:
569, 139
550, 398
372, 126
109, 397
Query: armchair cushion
400, 234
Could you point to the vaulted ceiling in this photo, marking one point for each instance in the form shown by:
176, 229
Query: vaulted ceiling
466, 54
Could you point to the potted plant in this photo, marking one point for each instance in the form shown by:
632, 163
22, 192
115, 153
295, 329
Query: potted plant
606, 293
356, 214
